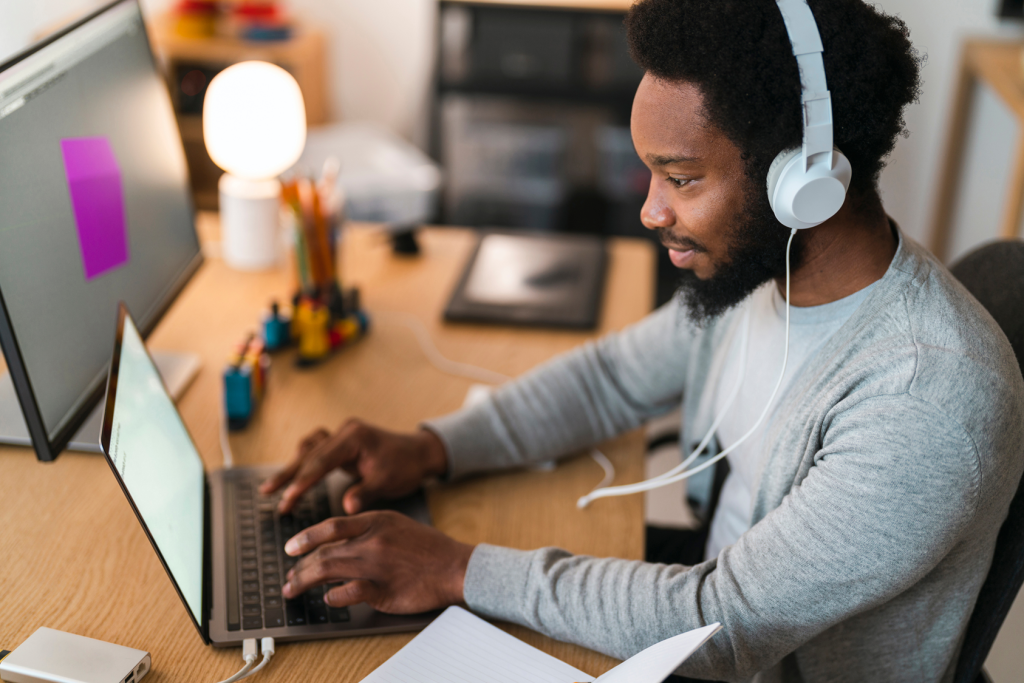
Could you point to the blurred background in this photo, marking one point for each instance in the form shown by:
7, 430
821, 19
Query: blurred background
525, 107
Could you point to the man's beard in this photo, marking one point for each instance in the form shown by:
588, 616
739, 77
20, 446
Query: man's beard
756, 254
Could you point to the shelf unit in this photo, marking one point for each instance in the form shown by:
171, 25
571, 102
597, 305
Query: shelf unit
524, 94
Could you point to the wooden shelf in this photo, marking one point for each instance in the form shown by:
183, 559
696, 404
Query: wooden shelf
999, 65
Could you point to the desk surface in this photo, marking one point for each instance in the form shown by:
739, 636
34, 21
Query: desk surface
74, 557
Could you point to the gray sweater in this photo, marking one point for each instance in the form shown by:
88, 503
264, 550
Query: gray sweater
892, 461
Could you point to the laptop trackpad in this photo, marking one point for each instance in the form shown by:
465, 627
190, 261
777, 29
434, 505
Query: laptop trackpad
414, 506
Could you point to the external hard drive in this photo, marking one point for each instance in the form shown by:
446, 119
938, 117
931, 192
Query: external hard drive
50, 656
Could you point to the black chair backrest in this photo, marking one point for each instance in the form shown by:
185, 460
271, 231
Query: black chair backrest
994, 274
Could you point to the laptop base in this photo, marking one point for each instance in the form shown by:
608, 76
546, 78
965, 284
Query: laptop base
361, 619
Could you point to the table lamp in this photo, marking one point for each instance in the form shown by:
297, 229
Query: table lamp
254, 124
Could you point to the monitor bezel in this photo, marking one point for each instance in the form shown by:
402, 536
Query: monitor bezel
108, 422
48, 449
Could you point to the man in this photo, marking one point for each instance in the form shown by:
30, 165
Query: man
858, 521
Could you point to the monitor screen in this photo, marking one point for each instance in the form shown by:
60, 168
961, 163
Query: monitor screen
158, 464
94, 206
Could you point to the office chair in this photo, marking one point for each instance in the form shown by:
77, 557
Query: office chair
994, 274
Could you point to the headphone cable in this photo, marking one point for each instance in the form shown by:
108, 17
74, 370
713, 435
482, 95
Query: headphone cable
679, 473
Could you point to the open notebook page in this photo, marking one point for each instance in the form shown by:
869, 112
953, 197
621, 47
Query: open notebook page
659, 660
459, 647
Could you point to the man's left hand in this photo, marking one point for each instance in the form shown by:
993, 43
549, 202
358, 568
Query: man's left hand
387, 560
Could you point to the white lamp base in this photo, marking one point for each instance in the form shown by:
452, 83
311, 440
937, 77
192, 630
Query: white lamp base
250, 216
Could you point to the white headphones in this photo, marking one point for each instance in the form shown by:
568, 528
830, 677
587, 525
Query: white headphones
807, 186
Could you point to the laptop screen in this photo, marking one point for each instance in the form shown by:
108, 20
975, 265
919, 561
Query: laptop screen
157, 463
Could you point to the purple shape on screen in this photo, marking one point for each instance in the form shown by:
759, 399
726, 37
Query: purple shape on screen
97, 199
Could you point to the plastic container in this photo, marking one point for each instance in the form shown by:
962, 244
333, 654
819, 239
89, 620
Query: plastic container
383, 178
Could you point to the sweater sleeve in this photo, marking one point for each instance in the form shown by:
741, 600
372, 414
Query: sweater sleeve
891, 489
585, 396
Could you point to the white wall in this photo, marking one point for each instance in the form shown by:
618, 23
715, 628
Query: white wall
21, 19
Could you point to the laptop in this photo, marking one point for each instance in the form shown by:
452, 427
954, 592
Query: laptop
220, 541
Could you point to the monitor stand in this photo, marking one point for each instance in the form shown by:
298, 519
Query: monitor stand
177, 370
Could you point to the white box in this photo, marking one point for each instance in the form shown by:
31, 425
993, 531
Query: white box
383, 177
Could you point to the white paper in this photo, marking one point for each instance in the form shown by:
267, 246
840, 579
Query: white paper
459, 647
661, 659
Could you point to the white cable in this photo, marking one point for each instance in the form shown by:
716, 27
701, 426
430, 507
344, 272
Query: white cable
658, 482
606, 465
725, 410
267, 648
249, 655
225, 443
450, 367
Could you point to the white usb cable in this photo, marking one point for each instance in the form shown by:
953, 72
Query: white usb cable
267, 649
249, 655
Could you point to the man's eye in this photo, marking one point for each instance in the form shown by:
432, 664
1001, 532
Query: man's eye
679, 182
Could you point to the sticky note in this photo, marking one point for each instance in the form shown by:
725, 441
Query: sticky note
97, 200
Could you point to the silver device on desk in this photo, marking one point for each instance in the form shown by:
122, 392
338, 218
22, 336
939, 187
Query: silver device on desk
221, 542
96, 209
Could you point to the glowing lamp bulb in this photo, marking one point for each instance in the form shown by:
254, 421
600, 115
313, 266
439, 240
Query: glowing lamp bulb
254, 120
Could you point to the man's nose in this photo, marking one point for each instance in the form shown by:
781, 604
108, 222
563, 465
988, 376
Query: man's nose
656, 212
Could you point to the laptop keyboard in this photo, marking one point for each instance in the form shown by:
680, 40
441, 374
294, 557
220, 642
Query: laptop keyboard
257, 563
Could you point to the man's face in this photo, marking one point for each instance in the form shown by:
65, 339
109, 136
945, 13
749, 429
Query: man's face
715, 221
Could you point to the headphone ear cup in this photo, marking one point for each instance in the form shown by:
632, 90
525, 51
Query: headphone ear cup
775, 172
805, 198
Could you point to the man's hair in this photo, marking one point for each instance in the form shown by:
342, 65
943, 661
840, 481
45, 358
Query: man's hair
737, 52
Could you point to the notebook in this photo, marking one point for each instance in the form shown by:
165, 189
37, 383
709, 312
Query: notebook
459, 647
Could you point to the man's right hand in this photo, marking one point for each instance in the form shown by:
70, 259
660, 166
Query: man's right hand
385, 465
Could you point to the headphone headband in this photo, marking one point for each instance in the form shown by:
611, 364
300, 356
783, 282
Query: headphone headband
815, 97
808, 186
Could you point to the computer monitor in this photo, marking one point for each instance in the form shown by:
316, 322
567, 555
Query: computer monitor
94, 209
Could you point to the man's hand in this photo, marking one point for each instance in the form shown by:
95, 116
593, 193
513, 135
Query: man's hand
387, 560
386, 465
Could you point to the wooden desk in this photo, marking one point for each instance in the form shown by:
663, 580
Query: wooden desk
75, 558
